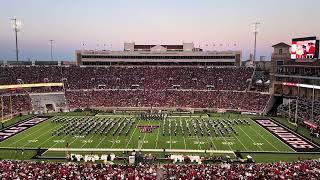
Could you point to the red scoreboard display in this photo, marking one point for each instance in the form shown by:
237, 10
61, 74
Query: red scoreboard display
305, 48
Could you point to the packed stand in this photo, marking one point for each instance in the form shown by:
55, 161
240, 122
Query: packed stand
49, 170
144, 86
230, 100
15, 104
143, 77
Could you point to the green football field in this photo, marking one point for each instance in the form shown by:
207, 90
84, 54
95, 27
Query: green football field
220, 133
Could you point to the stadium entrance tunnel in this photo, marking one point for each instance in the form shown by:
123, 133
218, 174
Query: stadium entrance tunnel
50, 107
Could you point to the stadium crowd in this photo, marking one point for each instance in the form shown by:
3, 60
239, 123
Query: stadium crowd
15, 104
138, 86
49, 170
231, 100
124, 77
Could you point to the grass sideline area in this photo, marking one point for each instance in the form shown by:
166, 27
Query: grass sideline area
283, 157
17, 154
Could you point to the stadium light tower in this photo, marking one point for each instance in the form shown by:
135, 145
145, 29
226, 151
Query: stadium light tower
255, 32
16, 27
51, 49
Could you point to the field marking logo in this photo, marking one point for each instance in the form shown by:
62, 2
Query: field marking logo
147, 128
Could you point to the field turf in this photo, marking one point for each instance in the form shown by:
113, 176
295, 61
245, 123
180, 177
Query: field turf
252, 138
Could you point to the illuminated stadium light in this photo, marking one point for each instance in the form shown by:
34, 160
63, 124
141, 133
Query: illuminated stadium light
16, 24
255, 32
51, 49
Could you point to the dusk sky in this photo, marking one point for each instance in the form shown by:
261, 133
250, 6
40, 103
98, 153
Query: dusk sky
97, 22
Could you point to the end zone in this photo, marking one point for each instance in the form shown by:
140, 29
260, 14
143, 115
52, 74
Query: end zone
17, 128
289, 137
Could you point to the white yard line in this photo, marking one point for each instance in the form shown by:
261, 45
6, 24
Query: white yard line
132, 134
114, 141
157, 138
225, 140
86, 142
184, 140
75, 138
212, 142
170, 135
20, 139
45, 141
210, 137
241, 142
142, 141
42, 135
101, 141
250, 138
62, 137
60, 140
265, 139
198, 139
274, 137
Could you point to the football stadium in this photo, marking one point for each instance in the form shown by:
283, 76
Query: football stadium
162, 111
